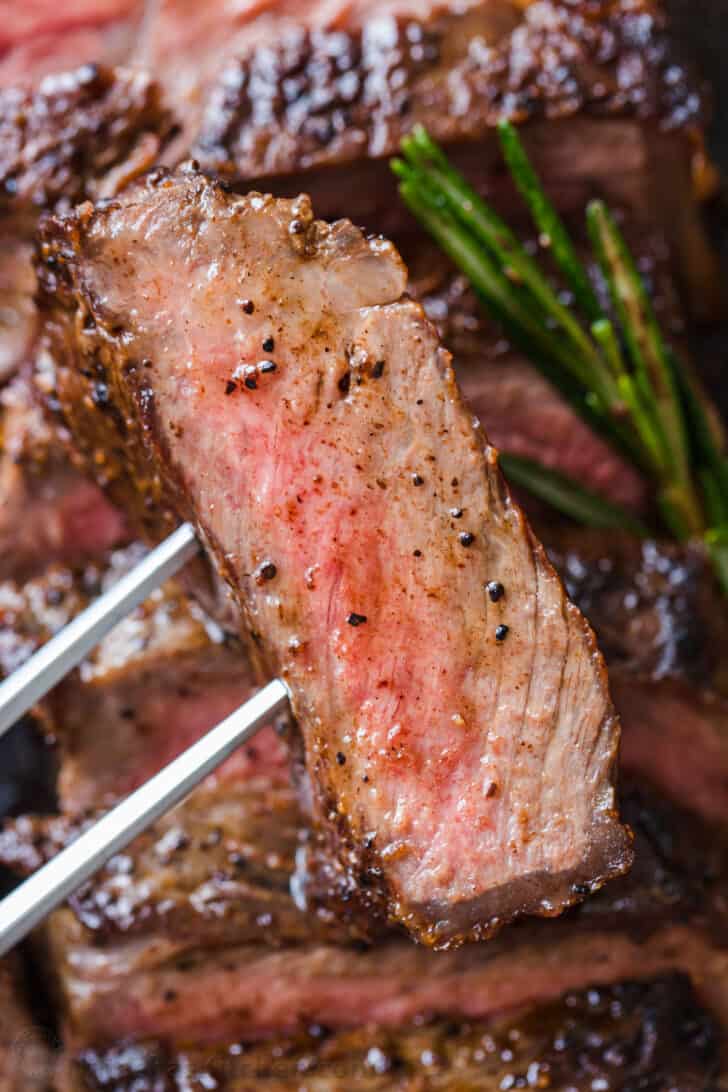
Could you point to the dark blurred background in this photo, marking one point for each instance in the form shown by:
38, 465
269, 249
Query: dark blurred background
701, 26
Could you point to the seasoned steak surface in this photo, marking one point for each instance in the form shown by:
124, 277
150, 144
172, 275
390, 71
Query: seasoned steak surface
453, 706
308, 95
650, 1034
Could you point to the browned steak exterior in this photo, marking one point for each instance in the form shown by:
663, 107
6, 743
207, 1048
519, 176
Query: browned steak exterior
60, 141
659, 617
309, 423
163, 677
650, 1034
607, 110
85, 132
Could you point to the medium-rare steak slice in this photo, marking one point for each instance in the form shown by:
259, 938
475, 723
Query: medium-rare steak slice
648, 1034
454, 710
25, 1060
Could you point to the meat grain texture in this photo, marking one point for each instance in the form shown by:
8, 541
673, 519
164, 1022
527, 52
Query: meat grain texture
233, 361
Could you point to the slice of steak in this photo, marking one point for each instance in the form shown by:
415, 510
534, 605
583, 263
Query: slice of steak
199, 908
650, 1033
658, 614
152, 687
330, 99
251, 992
42, 37
309, 423
83, 132
678, 737
520, 411
25, 1059
655, 606
75, 135
49, 511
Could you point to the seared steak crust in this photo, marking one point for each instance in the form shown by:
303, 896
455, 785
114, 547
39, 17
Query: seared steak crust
650, 1034
317, 97
162, 678
49, 512
60, 142
25, 1060
355, 511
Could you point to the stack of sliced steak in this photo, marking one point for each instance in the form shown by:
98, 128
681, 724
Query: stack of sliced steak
303, 415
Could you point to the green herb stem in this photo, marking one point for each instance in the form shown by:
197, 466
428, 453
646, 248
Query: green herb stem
548, 222
614, 369
569, 497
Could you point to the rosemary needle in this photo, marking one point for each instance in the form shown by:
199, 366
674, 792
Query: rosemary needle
613, 366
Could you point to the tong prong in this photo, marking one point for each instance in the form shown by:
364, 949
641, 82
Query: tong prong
32, 681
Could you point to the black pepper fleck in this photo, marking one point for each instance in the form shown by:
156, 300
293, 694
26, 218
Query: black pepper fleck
417, 480
341, 758
467, 538
269, 345
501, 633
230, 386
456, 513
378, 370
267, 366
268, 570
495, 590
418, 553
356, 619
248, 306
251, 383
296, 227
345, 383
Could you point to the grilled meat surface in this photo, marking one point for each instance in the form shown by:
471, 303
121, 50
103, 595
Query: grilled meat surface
659, 617
193, 931
162, 678
372, 515
638, 1034
320, 106
83, 132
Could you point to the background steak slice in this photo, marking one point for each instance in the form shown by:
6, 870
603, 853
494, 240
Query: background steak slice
610, 110
44, 37
659, 618
651, 1033
192, 930
78, 133
164, 676
310, 424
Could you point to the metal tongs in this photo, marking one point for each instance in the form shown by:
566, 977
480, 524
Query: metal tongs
47, 888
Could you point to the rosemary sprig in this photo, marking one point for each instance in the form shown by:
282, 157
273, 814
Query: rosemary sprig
569, 497
615, 369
